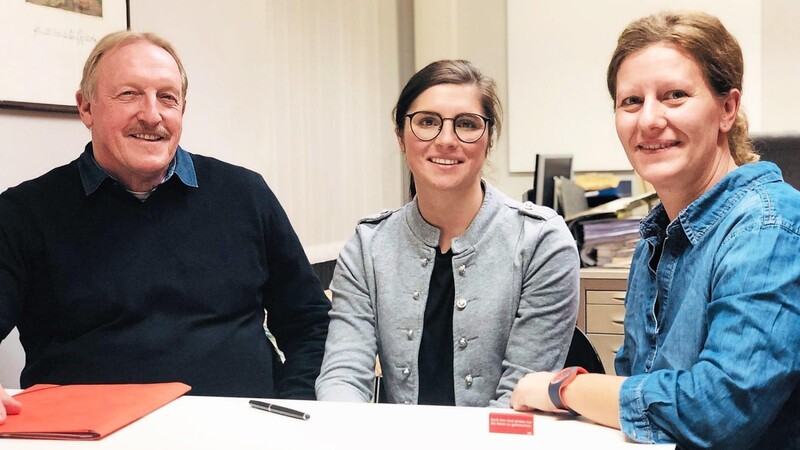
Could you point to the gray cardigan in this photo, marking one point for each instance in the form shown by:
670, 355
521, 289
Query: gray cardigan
516, 302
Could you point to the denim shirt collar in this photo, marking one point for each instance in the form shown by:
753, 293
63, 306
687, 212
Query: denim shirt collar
695, 220
92, 175
429, 234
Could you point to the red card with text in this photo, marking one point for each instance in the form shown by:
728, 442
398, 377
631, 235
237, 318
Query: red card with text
513, 423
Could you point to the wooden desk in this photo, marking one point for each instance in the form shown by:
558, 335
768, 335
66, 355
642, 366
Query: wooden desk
229, 423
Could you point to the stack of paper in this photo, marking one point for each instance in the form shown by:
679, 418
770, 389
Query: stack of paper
609, 242
607, 234
621, 207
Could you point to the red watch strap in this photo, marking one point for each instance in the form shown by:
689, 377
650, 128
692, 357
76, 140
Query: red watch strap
559, 382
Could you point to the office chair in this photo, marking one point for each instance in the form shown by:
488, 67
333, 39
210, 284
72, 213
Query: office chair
582, 353
379, 391
784, 151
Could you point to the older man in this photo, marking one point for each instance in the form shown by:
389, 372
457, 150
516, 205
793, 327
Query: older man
140, 262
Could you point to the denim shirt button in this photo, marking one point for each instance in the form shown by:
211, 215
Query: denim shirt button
461, 303
462, 269
415, 295
424, 262
468, 380
462, 343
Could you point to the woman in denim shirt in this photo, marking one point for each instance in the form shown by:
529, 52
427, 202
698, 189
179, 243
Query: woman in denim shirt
712, 324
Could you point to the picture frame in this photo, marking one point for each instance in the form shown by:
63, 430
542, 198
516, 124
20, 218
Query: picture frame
45, 45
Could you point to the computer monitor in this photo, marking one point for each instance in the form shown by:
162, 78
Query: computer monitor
547, 168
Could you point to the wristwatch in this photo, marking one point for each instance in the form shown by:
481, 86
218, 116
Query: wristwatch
559, 382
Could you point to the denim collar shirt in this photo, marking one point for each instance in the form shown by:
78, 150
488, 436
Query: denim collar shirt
712, 321
92, 175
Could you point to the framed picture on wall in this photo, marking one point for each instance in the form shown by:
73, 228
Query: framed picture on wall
44, 44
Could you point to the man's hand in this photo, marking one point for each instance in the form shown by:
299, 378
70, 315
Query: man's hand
531, 393
8, 405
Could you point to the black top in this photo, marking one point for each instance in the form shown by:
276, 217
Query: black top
105, 288
436, 386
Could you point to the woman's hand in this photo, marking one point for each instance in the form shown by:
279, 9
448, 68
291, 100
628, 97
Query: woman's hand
593, 396
531, 393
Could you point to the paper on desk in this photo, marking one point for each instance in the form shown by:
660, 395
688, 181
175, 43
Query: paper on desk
85, 411
609, 243
620, 207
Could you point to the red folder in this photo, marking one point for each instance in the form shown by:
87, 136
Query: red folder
85, 411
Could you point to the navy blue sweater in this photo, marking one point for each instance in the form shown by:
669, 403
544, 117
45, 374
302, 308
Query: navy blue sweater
105, 288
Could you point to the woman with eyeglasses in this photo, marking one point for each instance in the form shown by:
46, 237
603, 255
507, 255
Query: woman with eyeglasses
463, 290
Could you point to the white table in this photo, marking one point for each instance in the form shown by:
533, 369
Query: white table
230, 423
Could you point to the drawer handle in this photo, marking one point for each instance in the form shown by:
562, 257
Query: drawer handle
620, 298
618, 321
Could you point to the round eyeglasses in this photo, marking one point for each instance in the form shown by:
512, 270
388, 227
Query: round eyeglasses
469, 127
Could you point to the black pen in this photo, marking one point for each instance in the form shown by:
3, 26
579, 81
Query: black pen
282, 410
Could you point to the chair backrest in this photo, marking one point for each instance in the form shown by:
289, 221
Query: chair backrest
783, 150
582, 353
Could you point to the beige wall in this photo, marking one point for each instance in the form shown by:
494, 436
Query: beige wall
236, 113
558, 57
780, 107
297, 90
478, 30
473, 30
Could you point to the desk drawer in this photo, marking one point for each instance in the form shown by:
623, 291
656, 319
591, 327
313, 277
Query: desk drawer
606, 346
605, 297
605, 319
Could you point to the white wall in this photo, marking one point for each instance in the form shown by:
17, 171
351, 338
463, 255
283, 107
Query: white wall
12, 360
473, 30
477, 30
558, 55
780, 105
561, 104
298, 90
266, 79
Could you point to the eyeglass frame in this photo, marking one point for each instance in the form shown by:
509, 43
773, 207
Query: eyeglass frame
487, 125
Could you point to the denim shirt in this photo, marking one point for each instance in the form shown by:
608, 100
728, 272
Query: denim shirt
92, 175
712, 322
